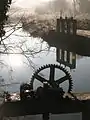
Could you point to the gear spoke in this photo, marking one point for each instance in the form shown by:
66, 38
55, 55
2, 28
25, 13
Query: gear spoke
52, 73
61, 80
41, 79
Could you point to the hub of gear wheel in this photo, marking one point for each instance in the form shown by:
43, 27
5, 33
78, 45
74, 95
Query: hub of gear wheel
51, 81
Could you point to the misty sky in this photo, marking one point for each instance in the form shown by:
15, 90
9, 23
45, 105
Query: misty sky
30, 3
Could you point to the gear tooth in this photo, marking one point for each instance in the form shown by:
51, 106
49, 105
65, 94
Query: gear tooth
71, 81
49, 65
56, 65
38, 70
41, 68
66, 71
70, 89
71, 84
63, 68
53, 64
44, 66
69, 76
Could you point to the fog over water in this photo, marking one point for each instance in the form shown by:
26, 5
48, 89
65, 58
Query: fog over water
44, 6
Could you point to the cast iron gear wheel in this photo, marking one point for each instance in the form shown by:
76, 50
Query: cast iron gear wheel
52, 82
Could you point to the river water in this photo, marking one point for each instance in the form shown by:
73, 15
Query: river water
19, 70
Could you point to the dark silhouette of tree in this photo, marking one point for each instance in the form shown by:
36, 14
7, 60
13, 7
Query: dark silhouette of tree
4, 6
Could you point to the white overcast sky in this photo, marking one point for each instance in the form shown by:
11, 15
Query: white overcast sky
29, 3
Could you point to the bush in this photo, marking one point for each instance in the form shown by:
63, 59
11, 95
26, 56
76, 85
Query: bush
4, 5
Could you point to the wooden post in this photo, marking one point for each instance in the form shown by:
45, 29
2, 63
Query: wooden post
58, 25
68, 57
57, 54
71, 25
62, 25
74, 27
73, 60
68, 26
62, 55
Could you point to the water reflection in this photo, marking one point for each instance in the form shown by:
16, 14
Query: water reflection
80, 75
46, 55
73, 43
79, 45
